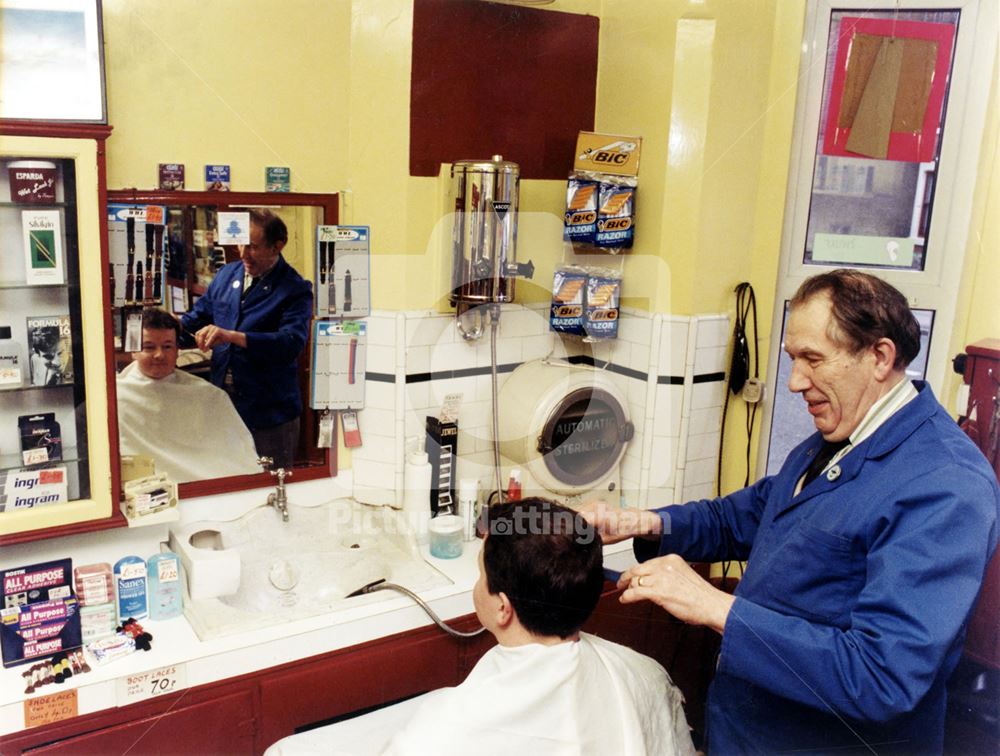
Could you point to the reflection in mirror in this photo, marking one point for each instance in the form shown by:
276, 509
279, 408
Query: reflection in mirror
177, 419
242, 341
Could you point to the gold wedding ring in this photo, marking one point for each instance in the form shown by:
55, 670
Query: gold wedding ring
639, 581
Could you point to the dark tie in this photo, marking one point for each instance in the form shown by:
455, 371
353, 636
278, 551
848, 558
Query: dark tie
826, 452
248, 289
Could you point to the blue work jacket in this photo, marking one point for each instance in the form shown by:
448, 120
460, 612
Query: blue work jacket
275, 317
852, 611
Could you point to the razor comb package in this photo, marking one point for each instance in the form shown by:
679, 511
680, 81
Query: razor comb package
338, 358
342, 272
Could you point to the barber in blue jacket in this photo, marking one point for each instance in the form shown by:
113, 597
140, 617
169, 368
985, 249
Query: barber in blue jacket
865, 552
255, 318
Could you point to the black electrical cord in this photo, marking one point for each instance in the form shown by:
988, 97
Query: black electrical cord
746, 306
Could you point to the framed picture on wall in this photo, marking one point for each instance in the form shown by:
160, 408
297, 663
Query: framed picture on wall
52, 61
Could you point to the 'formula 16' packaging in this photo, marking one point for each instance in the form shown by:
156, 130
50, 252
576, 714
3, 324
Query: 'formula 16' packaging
600, 193
585, 302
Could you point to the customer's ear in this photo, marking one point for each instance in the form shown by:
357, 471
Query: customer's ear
505, 613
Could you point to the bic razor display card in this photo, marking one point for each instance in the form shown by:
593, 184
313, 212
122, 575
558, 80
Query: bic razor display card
342, 271
338, 365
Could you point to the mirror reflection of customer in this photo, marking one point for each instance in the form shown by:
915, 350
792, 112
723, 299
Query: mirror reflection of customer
547, 687
865, 551
255, 318
188, 426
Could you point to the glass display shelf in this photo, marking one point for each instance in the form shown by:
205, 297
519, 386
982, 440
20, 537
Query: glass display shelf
36, 205
13, 462
22, 285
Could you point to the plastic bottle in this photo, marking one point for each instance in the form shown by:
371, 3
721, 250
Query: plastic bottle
12, 364
164, 571
130, 588
417, 493
468, 499
514, 485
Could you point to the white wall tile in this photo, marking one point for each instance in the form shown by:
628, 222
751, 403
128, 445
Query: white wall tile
659, 496
698, 491
427, 330
702, 446
418, 359
705, 420
663, 461
418, 396
381, 329
452, 356
667, 414
522, 323
699, 471
710, 360
705, 395
380, 359
380, 395
376, 448
537, 347
639, 358
376, 421
673, 347
713, 331
635, 329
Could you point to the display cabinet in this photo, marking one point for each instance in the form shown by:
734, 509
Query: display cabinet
56, 424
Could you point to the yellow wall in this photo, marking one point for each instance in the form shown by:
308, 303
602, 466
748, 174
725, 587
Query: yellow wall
324, 89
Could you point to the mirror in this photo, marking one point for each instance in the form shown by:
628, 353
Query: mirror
167, 257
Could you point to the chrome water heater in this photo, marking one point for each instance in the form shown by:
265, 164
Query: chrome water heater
484, 234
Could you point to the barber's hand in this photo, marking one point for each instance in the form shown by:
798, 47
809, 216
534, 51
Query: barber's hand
615, 524
212, 336
671, 583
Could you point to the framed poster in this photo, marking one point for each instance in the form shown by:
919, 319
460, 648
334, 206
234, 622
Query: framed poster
52, 61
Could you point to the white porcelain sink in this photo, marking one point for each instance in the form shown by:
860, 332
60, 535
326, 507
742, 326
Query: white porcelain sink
261, 571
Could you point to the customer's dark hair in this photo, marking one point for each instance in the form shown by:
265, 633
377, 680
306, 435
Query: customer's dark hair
155, 319
548, 560
865, 309
274, 228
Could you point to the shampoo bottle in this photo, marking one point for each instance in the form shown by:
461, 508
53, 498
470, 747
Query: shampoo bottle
130, 587
417, 494
165, 600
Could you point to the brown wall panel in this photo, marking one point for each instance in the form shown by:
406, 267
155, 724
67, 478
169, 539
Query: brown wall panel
500, 79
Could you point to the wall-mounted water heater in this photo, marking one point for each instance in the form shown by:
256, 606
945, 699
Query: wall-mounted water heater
484, 237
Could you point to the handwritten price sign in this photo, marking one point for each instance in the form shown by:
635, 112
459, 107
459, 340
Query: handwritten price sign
48, 709
157, 682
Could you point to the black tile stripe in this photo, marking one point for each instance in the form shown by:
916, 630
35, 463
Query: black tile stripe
380, 377
670, 380
441, 375
709, 377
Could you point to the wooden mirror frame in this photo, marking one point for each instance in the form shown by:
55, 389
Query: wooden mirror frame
323, 463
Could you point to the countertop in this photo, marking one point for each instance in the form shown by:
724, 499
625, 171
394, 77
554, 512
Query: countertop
176, 644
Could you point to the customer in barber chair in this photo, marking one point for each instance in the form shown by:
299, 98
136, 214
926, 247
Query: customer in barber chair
547, 688
188, 426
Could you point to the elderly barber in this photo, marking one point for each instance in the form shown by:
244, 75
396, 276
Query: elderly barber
866, 551
255, 318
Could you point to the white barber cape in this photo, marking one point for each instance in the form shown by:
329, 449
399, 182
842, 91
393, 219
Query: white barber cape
186, 424
586, 697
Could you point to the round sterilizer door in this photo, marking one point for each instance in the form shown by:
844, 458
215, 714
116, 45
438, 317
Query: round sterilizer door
568, 424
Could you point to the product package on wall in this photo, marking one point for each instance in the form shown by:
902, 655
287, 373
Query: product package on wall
136, 280
342, 271
585, 301
600, 193
338, 358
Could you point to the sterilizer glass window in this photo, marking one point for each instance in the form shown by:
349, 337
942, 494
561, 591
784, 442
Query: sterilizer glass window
583, 438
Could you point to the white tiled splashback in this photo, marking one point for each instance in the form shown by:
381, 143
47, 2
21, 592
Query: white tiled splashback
670, 368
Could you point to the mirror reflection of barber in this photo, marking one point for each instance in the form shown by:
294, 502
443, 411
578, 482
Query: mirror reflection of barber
255, 318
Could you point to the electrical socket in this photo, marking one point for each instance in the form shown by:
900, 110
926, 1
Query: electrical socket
753, 390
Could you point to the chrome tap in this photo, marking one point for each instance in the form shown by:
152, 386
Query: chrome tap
278, 498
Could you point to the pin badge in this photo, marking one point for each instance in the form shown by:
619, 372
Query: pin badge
236, 284
833, 473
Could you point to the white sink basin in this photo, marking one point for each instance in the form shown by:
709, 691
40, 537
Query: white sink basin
295, 569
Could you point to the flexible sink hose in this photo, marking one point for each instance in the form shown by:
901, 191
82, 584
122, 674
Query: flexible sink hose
382, 585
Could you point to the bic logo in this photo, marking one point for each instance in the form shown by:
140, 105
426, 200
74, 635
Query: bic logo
603, 315
568, 311
616, 224
615, 158
576, 219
